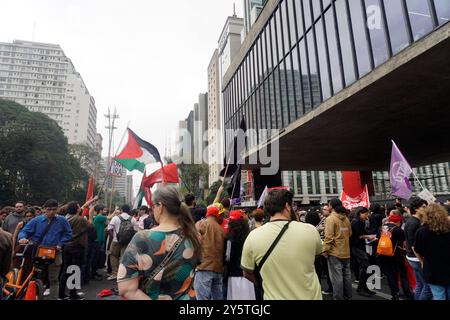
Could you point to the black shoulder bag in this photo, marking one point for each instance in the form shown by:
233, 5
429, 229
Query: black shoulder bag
257, 272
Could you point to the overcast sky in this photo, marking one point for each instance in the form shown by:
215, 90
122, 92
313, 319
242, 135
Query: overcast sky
148, 58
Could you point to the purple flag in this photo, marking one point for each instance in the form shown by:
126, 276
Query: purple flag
399, 175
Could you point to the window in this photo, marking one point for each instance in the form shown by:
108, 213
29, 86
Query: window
396, 25
317, 182
305, 78
327, 182
333, 52
309, 182
442, 11
292, 24
377, 36
346, 42
299, 182
314, 74
323, 61
420, 17
307, 13
299, 15
284, 28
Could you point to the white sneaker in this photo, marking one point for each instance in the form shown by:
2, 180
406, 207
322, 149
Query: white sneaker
80, 293
46, 292
112, 277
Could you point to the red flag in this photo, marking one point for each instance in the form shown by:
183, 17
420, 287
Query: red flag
89, 195
170, 173
148, 196
360, 201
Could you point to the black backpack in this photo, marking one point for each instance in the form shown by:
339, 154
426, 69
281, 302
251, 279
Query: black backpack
126, 231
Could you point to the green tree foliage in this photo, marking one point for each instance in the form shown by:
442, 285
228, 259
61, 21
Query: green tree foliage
214, 188
193, 178
35, 161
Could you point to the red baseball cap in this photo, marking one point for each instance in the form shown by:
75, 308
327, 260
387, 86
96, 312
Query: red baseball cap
212, 211
236, 215
395, 219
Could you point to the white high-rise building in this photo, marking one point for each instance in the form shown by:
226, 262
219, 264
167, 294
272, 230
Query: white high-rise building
40, 77
215, 145
229, 42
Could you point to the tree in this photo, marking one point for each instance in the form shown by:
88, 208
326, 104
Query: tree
214, 188
193, 177
88, 157
35, 162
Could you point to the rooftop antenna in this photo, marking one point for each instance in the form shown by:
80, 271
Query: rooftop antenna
234, 9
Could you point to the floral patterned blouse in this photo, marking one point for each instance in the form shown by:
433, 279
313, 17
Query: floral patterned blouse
147, 250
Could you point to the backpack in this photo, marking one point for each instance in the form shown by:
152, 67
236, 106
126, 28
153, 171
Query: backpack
385, 247
126, 231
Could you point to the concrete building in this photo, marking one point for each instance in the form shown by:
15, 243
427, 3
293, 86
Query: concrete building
373, 79
229, 42
42, 78
129, 197
215, 146
201, 129
80, 113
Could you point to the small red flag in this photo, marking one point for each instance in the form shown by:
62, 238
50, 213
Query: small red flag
89, 195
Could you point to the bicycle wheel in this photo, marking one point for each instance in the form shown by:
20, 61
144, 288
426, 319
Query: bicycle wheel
39, 290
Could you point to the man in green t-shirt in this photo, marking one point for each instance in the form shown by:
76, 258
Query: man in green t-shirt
99, 222
288, 273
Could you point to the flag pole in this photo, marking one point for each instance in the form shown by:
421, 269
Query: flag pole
110, 160
226, 169
162, 173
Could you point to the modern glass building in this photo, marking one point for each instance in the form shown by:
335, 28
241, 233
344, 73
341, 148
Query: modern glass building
309, 50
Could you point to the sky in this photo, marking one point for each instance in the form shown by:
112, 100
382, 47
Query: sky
146, 58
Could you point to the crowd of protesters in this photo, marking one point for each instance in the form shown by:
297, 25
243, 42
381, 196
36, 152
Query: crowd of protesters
178, 250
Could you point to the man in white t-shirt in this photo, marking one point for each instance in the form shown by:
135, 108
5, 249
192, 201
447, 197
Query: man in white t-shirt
117, 249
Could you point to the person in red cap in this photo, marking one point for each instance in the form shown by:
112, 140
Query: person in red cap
393, 266
209, 276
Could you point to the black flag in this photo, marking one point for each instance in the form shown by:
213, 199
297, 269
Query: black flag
233, 159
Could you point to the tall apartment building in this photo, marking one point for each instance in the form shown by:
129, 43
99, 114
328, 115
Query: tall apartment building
200, 129
42, 78
215, 146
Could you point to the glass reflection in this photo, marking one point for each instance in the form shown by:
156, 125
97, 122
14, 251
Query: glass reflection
419, 14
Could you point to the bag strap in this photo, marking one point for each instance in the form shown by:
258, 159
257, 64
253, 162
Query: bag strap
274, 244
149, 280
46, 230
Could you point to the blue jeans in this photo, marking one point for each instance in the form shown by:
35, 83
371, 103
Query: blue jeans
208, 285
423, 291
341, 278
440, 292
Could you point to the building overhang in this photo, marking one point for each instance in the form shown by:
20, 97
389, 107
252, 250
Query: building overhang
407, 99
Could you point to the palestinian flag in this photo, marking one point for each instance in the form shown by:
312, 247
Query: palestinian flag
137, 153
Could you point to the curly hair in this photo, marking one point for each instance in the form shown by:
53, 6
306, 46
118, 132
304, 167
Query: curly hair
436, 217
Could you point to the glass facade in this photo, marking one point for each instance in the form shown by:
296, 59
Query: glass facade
308, 51
436, 178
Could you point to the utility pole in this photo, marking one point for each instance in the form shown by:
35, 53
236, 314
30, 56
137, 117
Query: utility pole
111, 127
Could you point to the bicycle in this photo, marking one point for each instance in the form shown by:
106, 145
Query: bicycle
16, 287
